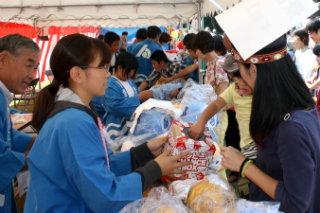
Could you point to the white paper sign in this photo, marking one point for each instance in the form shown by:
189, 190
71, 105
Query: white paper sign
23, 181
253, 24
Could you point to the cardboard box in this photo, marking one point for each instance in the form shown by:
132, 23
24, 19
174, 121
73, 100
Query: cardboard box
202, 150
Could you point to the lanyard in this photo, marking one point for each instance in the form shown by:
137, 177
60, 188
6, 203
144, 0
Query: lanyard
103, 140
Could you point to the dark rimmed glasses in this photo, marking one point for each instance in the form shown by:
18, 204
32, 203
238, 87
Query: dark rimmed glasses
102, 68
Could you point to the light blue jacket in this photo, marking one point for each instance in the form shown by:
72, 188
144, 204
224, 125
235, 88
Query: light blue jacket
119, 107
12, 145
143, 52
69, 169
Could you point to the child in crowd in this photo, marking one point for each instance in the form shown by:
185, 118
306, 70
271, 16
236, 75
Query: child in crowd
204, 44
124, 42
71, 168
191, 69
164, 39
314, 81
239, 95
162, 68
122, 96
192, 57
143, 51
141, 35
113, 41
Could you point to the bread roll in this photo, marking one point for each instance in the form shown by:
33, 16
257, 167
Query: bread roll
198, 189
205, 197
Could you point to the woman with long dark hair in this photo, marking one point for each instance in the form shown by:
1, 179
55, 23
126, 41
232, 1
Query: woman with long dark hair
285, 125
71, 168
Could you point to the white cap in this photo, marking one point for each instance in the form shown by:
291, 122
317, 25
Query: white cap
253, 24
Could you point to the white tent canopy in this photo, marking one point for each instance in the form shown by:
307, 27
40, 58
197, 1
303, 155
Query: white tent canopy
99, 12
209, 6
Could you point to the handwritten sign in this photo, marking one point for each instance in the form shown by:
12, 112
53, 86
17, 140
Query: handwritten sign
253, 24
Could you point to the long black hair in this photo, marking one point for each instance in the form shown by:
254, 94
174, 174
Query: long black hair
279, 89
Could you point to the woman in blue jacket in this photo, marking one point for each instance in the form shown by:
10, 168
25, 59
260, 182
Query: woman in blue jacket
71, 168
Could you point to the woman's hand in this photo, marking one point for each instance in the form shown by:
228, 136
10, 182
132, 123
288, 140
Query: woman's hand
155, 146
169, 165
232, 158
196, 131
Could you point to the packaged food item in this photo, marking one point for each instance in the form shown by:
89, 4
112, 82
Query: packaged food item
192, 113
181, 188
206, 197
202, 150
158, 201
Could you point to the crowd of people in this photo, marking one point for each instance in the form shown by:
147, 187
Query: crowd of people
270, 122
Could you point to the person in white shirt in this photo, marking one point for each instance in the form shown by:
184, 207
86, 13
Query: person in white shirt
304, 58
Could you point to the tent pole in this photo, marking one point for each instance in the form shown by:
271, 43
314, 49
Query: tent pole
35, 31
198, 4
181, 35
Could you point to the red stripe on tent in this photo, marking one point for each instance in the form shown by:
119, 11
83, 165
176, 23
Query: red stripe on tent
45, 59
42, 47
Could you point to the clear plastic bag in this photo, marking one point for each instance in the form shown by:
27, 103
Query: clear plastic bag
181, 188
217, 200
245, 206
215, 164
192, 113
212, 194
158, 201
190, 83
125, 143
197, 93
155, 121
163, 91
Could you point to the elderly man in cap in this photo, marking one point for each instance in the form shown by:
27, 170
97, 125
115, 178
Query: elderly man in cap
19, 59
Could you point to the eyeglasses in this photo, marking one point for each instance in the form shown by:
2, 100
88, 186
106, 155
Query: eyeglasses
102, 68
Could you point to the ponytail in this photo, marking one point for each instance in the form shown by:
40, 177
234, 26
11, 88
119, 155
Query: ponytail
44, 104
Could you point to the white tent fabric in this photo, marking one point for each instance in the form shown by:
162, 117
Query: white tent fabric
101, 12
208, 7
118, 23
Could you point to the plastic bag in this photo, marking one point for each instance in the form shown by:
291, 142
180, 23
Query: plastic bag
245, 206
150, 105
181, 188
212, 194
215, 164
163, 91
155, 121
158, 201
186, 86
192, 113
217, 200
125, 143
198, 93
